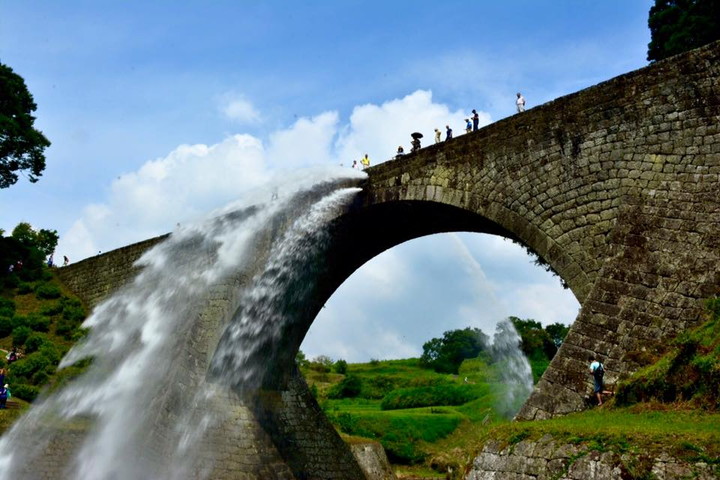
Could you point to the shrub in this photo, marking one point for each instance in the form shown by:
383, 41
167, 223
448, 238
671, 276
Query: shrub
349, 387
11, 281
47, 291
19, 321
429, 396
24, 288
51, 309
321, 364
34, 341
50, 352
379, 386
400, 435
20, 335
65, 328
27, 366
38, 323
340, 367
6, 326
73, 310
7, 307
25, 391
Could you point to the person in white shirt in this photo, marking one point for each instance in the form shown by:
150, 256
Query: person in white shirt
520, 102
597, 370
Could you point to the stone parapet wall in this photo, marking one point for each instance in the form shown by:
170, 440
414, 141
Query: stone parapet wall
546, 459
94, 278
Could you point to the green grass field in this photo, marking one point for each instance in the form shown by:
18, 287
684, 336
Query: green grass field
670, 407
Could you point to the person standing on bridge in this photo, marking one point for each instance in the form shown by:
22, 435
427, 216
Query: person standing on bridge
448, 132
476, 120
520, 103
365, 162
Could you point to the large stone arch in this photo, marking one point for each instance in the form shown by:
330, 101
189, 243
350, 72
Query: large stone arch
615, 187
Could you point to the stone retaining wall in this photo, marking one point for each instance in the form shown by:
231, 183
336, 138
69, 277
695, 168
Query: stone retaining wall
546, 459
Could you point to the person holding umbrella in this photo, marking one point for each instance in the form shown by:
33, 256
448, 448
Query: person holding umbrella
416, 136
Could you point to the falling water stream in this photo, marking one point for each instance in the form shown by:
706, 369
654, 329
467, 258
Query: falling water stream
138, 338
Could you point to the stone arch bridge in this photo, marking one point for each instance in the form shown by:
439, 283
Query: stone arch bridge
616, 187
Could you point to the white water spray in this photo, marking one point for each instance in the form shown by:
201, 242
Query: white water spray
515, 372
137, 344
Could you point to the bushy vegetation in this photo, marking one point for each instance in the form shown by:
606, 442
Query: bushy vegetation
445, 354
442, 395
688, 372
37, 317
677, 26
402, 435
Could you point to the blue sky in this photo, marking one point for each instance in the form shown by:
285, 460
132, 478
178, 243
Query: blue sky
161, 111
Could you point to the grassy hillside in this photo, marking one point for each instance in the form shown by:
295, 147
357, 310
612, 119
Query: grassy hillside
41, 319
408, 409
671, 406
430, 422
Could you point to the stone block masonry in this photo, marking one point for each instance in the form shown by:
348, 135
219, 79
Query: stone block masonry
615, 187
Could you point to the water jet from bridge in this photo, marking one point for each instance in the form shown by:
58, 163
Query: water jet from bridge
139, 335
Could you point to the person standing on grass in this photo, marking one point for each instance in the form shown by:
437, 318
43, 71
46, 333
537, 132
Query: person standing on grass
4, 395
597, 370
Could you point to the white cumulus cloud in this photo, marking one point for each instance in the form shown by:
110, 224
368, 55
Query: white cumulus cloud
239, 109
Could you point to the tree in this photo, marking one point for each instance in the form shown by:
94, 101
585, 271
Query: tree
21, 145
43, 240
558, 332
446, 354
677, 26
28, 246
536, 342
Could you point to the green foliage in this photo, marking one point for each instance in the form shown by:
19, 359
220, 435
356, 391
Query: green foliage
300, 359
321, 363
25, 391
21, 144
7, 307
51, 309
340, 367
402, 434
6, 326
25, 251
34, 342
377, 386
20, 335
349, 387
447, 353
557, 332
689, 371
43, 240
428, 396
677, 26
536, 341
38, 322
47, 291
73, 315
